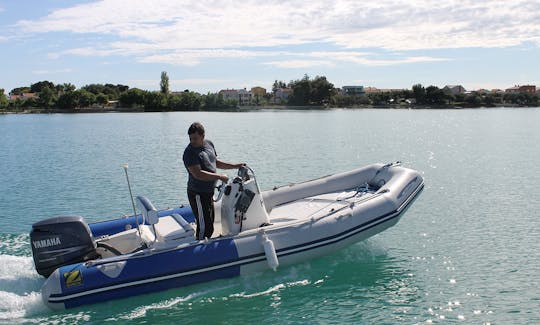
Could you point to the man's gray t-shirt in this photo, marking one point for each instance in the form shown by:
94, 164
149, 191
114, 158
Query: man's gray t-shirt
205, 157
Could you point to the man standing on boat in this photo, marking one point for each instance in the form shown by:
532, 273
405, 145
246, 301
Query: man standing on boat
200, 159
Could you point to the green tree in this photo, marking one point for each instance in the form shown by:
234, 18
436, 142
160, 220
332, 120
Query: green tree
29, 102
534, 100
213, 101
113, 92
133, 97
191, 100
86, 98
102, 99
474, 100
321, 91
460, 98
419, 94
95, 89
15, 105
301, 91
278, 85
39, 86
435, 96
47, 97
155, 102
65, 87
20, 90
68, 100
380, 98
164, 84
4, 103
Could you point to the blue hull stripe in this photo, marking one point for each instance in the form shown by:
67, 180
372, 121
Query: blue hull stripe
229, 268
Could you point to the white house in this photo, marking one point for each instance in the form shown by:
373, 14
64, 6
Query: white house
243, 96
282, 95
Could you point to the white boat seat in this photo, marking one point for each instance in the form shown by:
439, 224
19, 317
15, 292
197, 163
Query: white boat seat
124, 242
162, 229
173, 227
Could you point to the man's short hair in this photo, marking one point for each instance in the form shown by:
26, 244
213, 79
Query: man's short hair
196, 128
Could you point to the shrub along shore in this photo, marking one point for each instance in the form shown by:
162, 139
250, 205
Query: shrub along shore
306, 93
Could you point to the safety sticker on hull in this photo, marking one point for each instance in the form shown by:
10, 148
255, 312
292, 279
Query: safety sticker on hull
73, 278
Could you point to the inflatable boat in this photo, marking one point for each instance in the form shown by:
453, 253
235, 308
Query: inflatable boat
255, 230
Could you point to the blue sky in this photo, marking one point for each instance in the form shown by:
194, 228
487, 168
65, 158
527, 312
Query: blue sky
211, 45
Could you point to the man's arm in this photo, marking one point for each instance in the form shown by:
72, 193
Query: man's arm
206, 176
224, 165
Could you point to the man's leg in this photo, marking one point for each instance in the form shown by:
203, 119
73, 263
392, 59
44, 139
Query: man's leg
203, 209
208, 210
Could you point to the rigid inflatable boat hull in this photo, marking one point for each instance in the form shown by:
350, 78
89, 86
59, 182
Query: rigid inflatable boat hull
350, 217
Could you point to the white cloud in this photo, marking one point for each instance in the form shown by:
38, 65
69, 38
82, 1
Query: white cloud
365, 58
296, 64
187, 32
193, 57
41, 72
333, 58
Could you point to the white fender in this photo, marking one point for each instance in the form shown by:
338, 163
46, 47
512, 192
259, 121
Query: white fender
270, 252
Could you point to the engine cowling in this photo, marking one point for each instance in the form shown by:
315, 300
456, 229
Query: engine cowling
59, 241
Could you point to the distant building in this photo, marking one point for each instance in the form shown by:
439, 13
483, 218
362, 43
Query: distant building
242, 96
529, 89
391, 90
258, 91
512, 90
23, 96
454, 89
257, 94
112, 104
229, 94
282, 95
482, 91
371, 90
353, 90
526, 89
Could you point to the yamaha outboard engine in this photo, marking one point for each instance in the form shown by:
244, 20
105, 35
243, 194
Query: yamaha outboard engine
61, 241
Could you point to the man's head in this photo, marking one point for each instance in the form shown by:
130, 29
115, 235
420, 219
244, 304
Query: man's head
196, 134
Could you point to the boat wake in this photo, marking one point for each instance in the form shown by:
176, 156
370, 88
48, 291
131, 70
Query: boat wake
142, 311
20, 286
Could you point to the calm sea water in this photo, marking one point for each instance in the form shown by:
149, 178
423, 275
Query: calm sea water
466, 252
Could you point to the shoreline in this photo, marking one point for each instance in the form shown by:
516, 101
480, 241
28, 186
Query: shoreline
251, 109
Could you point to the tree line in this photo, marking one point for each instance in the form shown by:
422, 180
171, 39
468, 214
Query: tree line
319, 91
305, 91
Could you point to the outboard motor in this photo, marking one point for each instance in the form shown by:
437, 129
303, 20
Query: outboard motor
61, 241
242, 207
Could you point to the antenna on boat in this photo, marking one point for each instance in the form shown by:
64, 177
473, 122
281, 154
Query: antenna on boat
125, 166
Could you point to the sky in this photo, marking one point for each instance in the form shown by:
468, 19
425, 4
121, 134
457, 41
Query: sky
209, 45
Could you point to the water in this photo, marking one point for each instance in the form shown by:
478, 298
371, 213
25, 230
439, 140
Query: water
466, 252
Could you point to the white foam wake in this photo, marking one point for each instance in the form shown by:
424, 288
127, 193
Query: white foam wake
141, 312
19, 288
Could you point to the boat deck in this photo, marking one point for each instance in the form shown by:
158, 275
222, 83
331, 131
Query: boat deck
311, 207
315, 206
